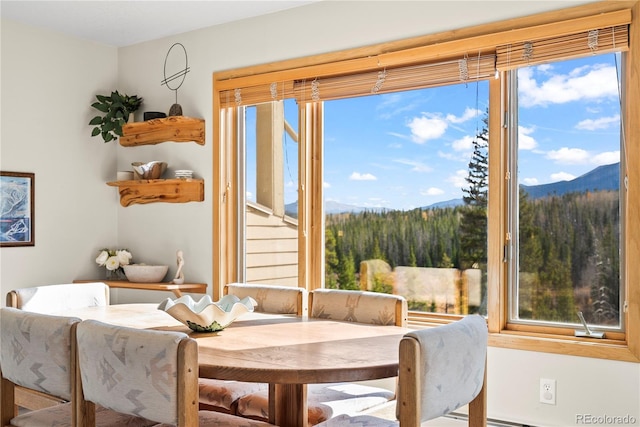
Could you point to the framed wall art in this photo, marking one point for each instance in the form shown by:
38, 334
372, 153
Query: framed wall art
17, 209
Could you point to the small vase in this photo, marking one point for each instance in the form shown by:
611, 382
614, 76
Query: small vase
132, 118
117, 274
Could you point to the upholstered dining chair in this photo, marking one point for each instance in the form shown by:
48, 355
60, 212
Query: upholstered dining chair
143, 373
221, 395
49, 299
36, 353
328, 400
441, 370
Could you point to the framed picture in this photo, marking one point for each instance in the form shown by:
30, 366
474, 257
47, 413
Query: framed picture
16, 209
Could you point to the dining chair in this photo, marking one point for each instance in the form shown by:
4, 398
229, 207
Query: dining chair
36, 354
221, 395
143, 373
441, 370
328, 400
49, 299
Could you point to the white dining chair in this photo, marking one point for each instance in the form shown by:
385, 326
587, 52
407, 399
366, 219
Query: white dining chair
142, 373
328, 400
36, 354
49, 299
222, 395
441, 370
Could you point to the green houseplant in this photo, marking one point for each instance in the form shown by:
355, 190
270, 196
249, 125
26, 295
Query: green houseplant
116, 109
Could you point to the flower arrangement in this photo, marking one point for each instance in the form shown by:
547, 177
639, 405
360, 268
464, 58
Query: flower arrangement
113, 260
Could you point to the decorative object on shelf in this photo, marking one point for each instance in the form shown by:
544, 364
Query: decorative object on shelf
179, 279
149, 170
143, 273
177, 71
124, 175
205, 315
150, 115
17, 209
184, 174
116, 109
114, 260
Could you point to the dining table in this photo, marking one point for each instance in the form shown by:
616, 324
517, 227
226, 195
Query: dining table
286, 351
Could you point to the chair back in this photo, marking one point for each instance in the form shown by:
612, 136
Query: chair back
37, 352
50, 299
442, 369
358, 306
271, 298
141, 372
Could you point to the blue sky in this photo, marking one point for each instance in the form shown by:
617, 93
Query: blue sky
411, 149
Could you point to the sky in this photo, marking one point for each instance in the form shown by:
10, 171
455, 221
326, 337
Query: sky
412, 149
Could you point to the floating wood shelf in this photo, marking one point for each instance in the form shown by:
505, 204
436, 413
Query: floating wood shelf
159, 190
155, 131
198, 288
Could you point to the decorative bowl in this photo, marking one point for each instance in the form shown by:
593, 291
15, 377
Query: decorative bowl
150, 170
206, 315
143, 273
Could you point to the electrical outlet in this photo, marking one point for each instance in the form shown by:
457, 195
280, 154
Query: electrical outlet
547, 391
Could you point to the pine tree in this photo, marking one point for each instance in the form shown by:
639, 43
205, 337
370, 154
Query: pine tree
473, 223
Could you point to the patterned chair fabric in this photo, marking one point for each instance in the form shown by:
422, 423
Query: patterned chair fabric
441, 370
51, 299
143, 373
271, 298
223, 396
358, 306
36, 354
324, 401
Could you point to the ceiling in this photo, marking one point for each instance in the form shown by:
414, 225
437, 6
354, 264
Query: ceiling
123, 23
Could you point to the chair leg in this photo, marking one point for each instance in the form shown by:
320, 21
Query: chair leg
478, 406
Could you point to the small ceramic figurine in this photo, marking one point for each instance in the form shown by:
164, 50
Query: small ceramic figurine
179, 279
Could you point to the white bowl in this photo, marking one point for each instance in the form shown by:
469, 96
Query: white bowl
206, 315
142, 273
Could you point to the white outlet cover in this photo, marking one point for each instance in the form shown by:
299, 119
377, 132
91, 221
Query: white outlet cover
547, 391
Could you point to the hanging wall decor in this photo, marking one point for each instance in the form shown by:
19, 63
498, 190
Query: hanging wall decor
16, 209
176, 67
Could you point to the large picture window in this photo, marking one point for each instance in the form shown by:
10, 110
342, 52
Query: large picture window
526, 130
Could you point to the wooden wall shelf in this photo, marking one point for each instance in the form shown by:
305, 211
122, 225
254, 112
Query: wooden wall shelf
155, 131
159, 190
198, 288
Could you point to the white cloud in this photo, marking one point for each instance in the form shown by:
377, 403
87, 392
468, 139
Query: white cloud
325, 184
469, 113
589, 82
463, 144
357, 176
426, 127
606, 158
458, 180
530, 181
416, 166
525, 140
561, 176
432, 191
567, 155
600, 123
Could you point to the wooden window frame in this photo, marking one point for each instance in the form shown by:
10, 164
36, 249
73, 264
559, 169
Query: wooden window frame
421, 49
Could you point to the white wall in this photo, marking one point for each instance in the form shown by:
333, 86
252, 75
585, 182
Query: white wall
77, 213
48, 83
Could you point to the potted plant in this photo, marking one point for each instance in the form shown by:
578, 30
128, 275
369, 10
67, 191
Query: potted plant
117, 109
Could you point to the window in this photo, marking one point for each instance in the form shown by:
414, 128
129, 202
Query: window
512, 320
566, 197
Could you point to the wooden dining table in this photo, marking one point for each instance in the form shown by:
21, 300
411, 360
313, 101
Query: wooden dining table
286, 351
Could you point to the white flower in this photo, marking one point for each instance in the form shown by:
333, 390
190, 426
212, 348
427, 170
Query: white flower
112, 263
124, 256
102, 258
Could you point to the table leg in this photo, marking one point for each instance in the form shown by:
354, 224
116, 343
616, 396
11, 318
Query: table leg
290, 405
176, 292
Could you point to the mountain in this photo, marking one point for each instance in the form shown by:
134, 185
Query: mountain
605, 177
